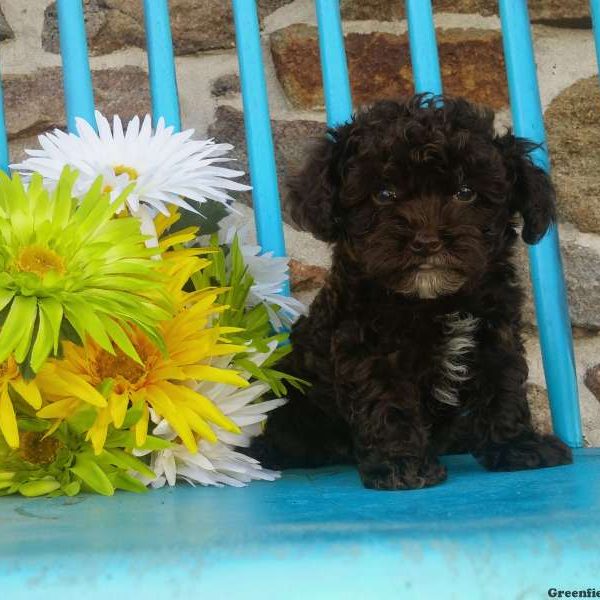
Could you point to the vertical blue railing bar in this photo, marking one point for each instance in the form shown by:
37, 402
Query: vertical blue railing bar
4, 158
423, 47
259, 138
545, 261
334, 66
161, 63
77, 78
595, 12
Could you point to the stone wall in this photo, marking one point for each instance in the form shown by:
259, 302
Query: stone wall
469, 39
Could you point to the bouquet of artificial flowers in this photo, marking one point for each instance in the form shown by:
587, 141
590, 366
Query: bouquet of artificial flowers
132, 352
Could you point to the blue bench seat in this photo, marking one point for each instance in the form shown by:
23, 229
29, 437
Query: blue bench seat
314, 534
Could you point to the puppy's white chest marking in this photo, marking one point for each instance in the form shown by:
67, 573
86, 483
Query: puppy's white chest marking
457, 346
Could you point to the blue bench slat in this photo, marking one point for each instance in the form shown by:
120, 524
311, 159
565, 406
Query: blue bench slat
315, 534
77, 78
259, 138
4, 158
546, 267
334, 66
595, 12
423, 47
161, 63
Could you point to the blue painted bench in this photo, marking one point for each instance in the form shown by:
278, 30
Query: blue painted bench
319, 534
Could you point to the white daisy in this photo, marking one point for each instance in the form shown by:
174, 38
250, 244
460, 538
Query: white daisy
164, 166
270, 274
219, 463
215, 464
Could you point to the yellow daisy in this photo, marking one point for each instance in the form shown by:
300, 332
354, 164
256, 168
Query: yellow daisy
160, 381
11, 379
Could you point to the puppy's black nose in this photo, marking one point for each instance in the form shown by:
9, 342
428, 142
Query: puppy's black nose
425, 243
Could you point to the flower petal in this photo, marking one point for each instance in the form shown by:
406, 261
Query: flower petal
28, 391
8, 420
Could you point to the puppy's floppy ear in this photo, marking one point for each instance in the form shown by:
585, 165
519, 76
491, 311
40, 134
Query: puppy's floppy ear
532, 193
314, 190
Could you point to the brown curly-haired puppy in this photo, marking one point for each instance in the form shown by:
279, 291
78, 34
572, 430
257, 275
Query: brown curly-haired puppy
413, 346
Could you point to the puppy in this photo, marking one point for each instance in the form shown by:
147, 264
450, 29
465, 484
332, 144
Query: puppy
413, 346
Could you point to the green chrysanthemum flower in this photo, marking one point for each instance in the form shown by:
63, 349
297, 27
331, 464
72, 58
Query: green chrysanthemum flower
71, 270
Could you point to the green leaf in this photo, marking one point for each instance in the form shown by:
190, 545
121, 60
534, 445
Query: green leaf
133, 415
83, 419
250, 367
257, 320
119, 439
122, 459
155, 443
126, 439
126, 482
93, 476
72, 489
37, 425
26, 371
13, 489
299, 384
39, 487
207, 220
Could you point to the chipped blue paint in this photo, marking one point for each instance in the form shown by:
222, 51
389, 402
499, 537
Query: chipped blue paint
316, 534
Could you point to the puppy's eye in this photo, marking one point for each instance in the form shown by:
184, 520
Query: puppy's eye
465, 194
385, 197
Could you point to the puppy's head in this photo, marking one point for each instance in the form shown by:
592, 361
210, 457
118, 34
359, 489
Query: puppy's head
422, 195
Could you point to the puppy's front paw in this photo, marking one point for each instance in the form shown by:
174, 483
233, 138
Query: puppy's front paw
532, 452
402, 474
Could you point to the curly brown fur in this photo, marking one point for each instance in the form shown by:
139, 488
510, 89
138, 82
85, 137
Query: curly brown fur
413, 346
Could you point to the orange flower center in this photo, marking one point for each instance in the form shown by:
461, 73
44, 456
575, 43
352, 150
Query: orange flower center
39, 260
34, 449
110, 366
